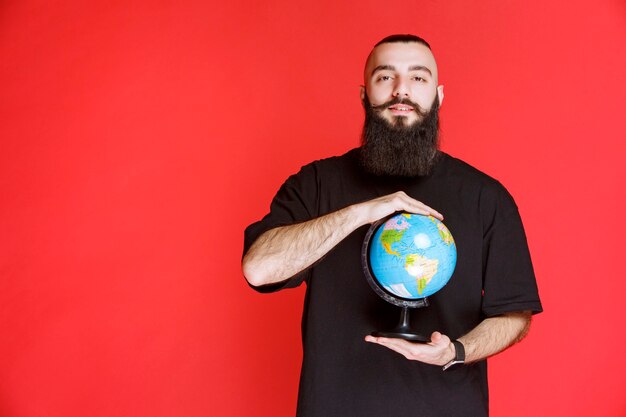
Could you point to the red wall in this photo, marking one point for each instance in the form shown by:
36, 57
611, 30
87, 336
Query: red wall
138, 140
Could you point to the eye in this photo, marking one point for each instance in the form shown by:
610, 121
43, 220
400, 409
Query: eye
384, 78
418, 79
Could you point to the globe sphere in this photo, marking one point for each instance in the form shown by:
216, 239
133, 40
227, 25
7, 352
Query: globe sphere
409, 257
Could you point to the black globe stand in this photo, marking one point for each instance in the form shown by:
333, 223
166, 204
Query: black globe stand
403, 330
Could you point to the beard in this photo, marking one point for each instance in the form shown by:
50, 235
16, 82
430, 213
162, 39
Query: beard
395, 149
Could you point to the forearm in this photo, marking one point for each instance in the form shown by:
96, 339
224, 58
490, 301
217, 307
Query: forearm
494, 335
282, 252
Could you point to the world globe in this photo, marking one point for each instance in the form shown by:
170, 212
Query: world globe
407, 258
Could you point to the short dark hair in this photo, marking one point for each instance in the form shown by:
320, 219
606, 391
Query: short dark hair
403, 38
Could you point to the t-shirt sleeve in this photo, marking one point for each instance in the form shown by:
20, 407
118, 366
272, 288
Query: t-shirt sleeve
295, 202
509, 282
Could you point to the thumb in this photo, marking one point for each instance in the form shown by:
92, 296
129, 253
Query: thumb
439, 339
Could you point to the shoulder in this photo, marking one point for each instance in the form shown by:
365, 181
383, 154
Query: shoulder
321, 171
457, 167
489, 188
346, 160
330, 166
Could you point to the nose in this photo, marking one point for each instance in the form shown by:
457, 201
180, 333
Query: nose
401, 88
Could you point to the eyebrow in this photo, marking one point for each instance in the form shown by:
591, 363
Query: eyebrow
392, 68
420, 68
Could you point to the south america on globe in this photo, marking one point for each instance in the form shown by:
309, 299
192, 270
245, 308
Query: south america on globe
412, 256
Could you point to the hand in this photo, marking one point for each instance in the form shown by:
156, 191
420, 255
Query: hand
438, 352
380, 207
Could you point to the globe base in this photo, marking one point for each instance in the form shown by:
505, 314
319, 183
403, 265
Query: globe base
411, 337
403, 330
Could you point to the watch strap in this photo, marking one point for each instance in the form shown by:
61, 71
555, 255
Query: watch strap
459, 355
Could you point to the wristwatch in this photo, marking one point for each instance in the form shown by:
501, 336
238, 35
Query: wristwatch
459, 356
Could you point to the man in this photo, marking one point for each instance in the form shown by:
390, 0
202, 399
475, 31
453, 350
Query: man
315, 230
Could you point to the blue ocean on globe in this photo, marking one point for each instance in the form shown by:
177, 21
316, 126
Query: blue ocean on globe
412, 256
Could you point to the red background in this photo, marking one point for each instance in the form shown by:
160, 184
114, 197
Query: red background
138, 139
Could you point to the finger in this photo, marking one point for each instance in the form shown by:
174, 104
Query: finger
435, 338
397, 345
384, 341
402, 202
439, 341
418, 207
430, 211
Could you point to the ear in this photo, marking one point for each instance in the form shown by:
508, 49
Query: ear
440, 93
362, 92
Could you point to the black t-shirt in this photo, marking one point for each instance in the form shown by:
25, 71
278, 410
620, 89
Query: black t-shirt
342, 375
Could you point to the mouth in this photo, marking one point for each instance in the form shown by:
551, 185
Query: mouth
400, 109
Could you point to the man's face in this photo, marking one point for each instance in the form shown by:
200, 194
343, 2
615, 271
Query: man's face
401, 71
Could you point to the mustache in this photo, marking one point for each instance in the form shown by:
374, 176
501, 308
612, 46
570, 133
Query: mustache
418, 109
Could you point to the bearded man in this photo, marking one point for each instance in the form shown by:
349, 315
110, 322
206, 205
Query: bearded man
315, 230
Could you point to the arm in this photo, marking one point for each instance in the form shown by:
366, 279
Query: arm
491, 336
495, 334
281, 253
